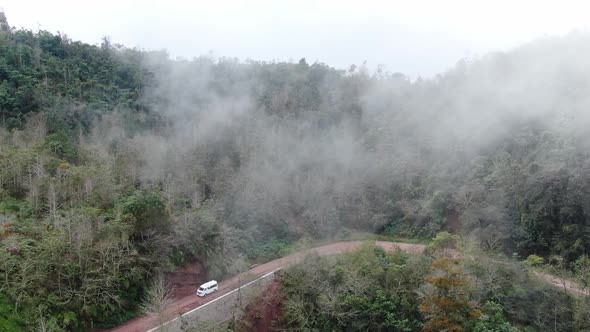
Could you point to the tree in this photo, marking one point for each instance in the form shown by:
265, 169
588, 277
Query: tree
447, 297
4, 26
157, 299
444, 241
493, 320
534, 260
146, 212
582, 271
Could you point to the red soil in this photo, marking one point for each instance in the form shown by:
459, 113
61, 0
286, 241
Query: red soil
453, 222
185, 280
192, 301
264, 313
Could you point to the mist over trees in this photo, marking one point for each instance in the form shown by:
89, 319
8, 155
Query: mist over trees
118, 163
494, 149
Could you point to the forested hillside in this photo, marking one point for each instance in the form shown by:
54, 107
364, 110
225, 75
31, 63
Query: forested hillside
117, 164
372, 290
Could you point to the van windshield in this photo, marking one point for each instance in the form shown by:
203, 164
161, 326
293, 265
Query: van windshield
201, 288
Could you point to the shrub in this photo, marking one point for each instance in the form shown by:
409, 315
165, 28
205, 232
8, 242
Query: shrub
444, 240
146, 212
534, 260
7, 321
270, 250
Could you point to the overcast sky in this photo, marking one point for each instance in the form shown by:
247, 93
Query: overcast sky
417, 38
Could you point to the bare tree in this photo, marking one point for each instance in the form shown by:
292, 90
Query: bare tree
52, 200
43, 326
157, 299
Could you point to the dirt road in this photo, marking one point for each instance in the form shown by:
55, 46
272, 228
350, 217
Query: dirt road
142, 324
562, 283
191, 302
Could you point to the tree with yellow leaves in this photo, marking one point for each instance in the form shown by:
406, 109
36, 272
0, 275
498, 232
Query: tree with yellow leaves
446, 301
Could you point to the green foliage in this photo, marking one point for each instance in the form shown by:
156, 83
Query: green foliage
197, 236
59, 273
8, 322
61, 146
11, 205
582, 271
534, 260
146, 213
525, 302
581, 314
267, 251
99, 192
442, 241
493, 320
39, 70
366, 290
378, 291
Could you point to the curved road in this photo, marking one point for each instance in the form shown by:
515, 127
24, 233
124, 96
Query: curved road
145, 323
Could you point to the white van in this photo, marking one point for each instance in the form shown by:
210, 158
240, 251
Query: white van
207, 288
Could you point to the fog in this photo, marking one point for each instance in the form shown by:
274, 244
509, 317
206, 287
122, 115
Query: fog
301, 150
127, 163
